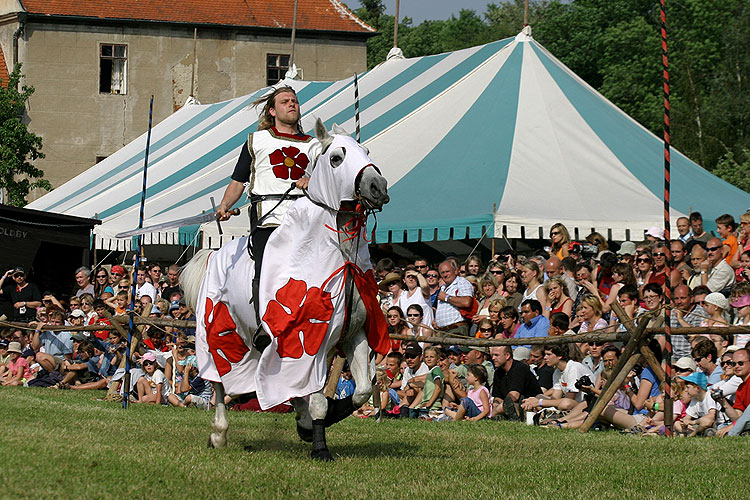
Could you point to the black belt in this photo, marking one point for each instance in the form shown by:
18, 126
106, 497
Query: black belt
265, 197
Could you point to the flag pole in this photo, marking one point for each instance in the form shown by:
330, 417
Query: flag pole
668, 410
131, 325
395, 26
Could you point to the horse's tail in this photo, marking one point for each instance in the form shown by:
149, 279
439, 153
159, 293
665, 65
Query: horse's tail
192, 275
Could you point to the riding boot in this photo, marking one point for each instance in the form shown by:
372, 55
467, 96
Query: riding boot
338, 410
260, 339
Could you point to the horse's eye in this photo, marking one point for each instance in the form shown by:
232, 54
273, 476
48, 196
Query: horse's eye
337, 156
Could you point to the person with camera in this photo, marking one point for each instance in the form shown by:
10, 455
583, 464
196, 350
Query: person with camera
565, 394
739, 412
24, 296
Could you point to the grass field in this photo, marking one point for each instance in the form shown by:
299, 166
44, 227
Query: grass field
65, 444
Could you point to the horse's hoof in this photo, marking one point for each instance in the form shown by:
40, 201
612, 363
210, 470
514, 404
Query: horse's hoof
323, 455
305, 435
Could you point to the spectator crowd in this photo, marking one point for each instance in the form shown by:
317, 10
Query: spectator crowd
568, 287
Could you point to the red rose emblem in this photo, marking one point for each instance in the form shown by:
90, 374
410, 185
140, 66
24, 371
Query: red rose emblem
299, 310
222, 337
289, 163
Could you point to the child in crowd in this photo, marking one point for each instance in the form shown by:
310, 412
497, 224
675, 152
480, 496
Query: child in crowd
476, 405
432, 392
715, 305
119, 302
153, 386
345, 387
389, 382
486, 329
4, 356
701, 412
742, 314
18, 367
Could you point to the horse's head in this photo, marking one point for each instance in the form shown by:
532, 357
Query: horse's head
345, 172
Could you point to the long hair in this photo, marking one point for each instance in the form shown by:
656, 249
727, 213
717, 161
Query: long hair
265, 120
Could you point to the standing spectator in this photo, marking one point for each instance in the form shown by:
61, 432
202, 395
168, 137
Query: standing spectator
557, 297
489, 286
513, 382
533, 323
743, 242
391, 288
154, 274
455, 293
421, 266
102, 287
553, 268
716, 274
726, 226
696, 224
24, 296
531, 276
83, 281
560, 237
513, 289
685, 234
433, 283
509, 322
416, 288
697, 256
677, 248
173, 283
116, 273
473, 266
143, 287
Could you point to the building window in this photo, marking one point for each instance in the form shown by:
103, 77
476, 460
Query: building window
113, 65
276, 66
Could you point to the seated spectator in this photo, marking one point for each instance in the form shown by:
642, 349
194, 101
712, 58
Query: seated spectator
390, 384
557, 297
119, 302
513, 290
415, 369
685, 366
729, 382
488, 286
397, 325
18, 372
153, 386
513, 382
430, 396
594, 360
705, 357
738, 412
648, 386
702, 410
534, 323
685, 314
345, 386
539, 367
476, 356
486, 329
591, 309
715, 305
509, 322
415, 318
565, 395
476, 405
558, 325
58, 346
192, 390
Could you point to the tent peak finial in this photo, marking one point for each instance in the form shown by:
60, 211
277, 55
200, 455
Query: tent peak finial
524, 35
395, 53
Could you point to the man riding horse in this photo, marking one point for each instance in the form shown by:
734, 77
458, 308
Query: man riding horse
279, 152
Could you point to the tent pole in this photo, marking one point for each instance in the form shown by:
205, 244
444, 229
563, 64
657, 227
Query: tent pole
192, 77
668, 415
294, 35
494, 209
526, 13
395, 26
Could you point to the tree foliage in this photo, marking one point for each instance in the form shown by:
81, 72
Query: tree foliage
615, 46
18, 146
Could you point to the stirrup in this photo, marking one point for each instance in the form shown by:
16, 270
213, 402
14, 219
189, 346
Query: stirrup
261, 340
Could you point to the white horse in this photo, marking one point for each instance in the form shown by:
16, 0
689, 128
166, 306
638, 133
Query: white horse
217, 285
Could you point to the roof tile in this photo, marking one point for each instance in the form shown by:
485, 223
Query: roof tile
328, 15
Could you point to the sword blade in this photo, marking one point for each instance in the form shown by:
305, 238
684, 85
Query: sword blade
187, 221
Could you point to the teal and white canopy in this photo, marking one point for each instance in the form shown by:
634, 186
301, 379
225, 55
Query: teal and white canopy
500, 139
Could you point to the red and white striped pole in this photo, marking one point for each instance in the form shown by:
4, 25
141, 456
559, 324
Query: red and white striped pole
668, 414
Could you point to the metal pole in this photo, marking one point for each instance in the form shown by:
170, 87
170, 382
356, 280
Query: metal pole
356, 107
131, 325
395, 26
668, 416
294, 34
195, 47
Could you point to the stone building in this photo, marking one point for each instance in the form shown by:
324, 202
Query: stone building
95, 64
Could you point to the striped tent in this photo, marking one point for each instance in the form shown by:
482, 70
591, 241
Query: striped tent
499, 140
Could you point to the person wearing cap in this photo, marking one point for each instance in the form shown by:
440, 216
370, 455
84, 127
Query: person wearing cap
24, 296
685, 366
415, 294
626, 253
655, 233
742, 318
18, 372
513, 382
455, 294
702, 410
76, 317
715, 305
685, 314
153, 387
716, 274
476, 356
4, 355
414, 374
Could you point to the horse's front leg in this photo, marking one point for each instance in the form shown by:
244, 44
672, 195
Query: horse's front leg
318, 410
358, 354
218, 437
304, 420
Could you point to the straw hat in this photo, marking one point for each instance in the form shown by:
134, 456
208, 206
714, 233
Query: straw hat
389, 278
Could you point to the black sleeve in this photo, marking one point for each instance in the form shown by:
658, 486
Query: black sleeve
242, 168
36, 295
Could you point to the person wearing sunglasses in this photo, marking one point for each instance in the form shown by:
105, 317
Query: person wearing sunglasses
416, 294
24, 296
102, 287
560, 237
705, 357
716, 274
738, 412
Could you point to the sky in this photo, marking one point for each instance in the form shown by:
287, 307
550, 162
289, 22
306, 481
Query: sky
420, 10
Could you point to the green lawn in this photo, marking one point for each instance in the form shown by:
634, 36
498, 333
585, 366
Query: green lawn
65, 444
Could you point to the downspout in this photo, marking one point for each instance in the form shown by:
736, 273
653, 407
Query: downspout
16, 36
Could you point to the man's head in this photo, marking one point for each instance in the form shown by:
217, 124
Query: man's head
714, 251
583, 272
173, 275
537, 355
628, 295
280, 108
476, 356
413, 355
83, 277
683, 297
725, 225
116, 273
697, 255
530, 309
393, 362
558, 324
554, 354
553, 266
610, 356
421, 266
501, 355
683, 226
677, 248
699, 294
154, 272
741, 360
448, 271
696, 223
661, 256
19, 276
140, 277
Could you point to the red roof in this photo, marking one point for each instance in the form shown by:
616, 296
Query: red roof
327, 15
3, 68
